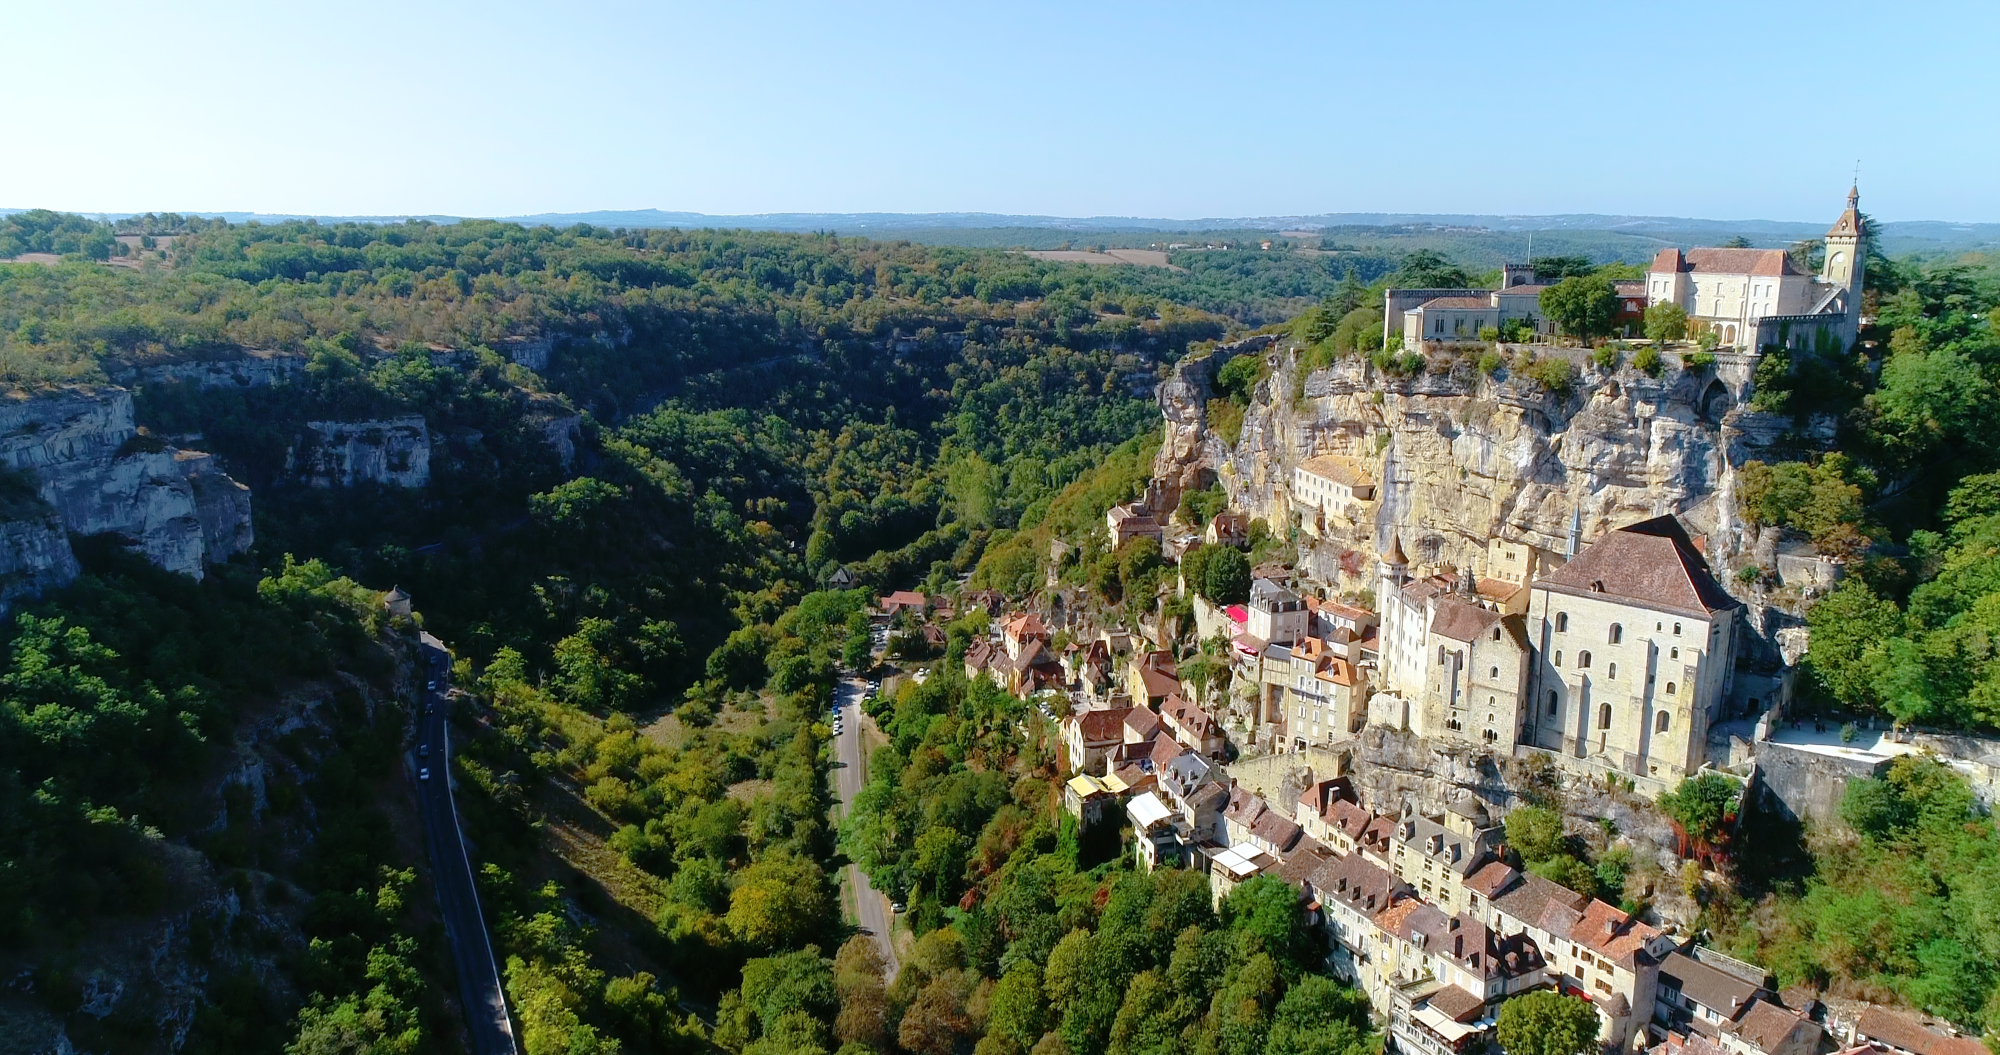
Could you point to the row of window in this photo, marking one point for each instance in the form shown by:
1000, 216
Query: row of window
1662, 720
1616, 635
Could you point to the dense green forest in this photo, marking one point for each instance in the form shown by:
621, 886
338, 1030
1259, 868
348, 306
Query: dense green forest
754, 412
649, 651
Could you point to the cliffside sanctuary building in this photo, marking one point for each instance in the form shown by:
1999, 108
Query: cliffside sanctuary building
1750, 299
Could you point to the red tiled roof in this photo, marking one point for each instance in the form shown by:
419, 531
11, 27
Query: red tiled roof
1612, 934
1141, 723
1099, 726
1491, 879
1901, 1031
1457, 302
1456, 1004
1766, 1025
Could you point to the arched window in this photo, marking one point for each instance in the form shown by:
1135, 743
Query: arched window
1677, 630
1617, 633
1559, 657
1440, 655
1489, 702
1670, 688
1496, 633
1552, 703
1604, 716
1562, 622
1611, 671
1495, 673
1661, 722
1583, 658
1673, 653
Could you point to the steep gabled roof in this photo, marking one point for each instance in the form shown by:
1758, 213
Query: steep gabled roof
1652, 563
1458, 620
1101, 726
1759, 262
1901, 1031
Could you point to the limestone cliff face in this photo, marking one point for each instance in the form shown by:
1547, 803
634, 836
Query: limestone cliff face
1462, 458
395, 451
251, 369
99, 476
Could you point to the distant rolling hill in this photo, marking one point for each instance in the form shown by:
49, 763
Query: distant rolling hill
1479, 236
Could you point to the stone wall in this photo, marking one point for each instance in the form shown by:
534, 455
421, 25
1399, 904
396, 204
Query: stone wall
1805, 785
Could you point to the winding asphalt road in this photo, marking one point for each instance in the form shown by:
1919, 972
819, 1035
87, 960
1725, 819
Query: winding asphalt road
451, 869
871, 908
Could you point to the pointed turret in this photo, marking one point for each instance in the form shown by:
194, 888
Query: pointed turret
1844, 250
1394, 554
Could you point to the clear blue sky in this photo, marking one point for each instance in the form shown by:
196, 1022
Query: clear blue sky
1729, 110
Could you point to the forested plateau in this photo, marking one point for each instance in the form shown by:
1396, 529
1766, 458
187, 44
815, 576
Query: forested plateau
631, 463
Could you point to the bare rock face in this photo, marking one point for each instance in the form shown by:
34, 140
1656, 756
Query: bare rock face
98, 475
251, 369
396, 451
1462, 457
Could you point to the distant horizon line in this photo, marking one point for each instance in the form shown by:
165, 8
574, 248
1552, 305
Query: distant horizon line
973, 219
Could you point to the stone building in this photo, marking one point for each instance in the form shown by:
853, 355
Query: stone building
1477, 673
1330, 489
1751, 298
1633, 652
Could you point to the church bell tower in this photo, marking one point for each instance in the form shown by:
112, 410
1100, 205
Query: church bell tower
1844, 251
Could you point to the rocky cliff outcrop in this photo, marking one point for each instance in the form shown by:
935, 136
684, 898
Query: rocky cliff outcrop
98, 475
1462, 457
396, 451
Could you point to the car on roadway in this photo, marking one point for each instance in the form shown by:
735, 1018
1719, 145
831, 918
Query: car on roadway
424, 773
896, 907
424, 751
431, 686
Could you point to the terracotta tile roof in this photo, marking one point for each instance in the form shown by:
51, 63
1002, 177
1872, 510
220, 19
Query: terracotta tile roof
1741, 261
1298, 864
1653, 563
1496, 589
1528, 900
1761, 262
1349, 818
1462, 620
1194, 721
1165, 750
1612, 934
1141, 724
1491, 879
902, 599
1525, 289
1766, 1025
1339, 469
1345, 611
1024, 624
979, 655
1391, 919
1102, 726
1907, 1034
1276, 829
1359, 884
1245, 806
1457, 302
1457, 1004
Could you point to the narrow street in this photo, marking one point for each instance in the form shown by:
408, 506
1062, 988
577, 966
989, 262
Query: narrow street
479, 987
871, 908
